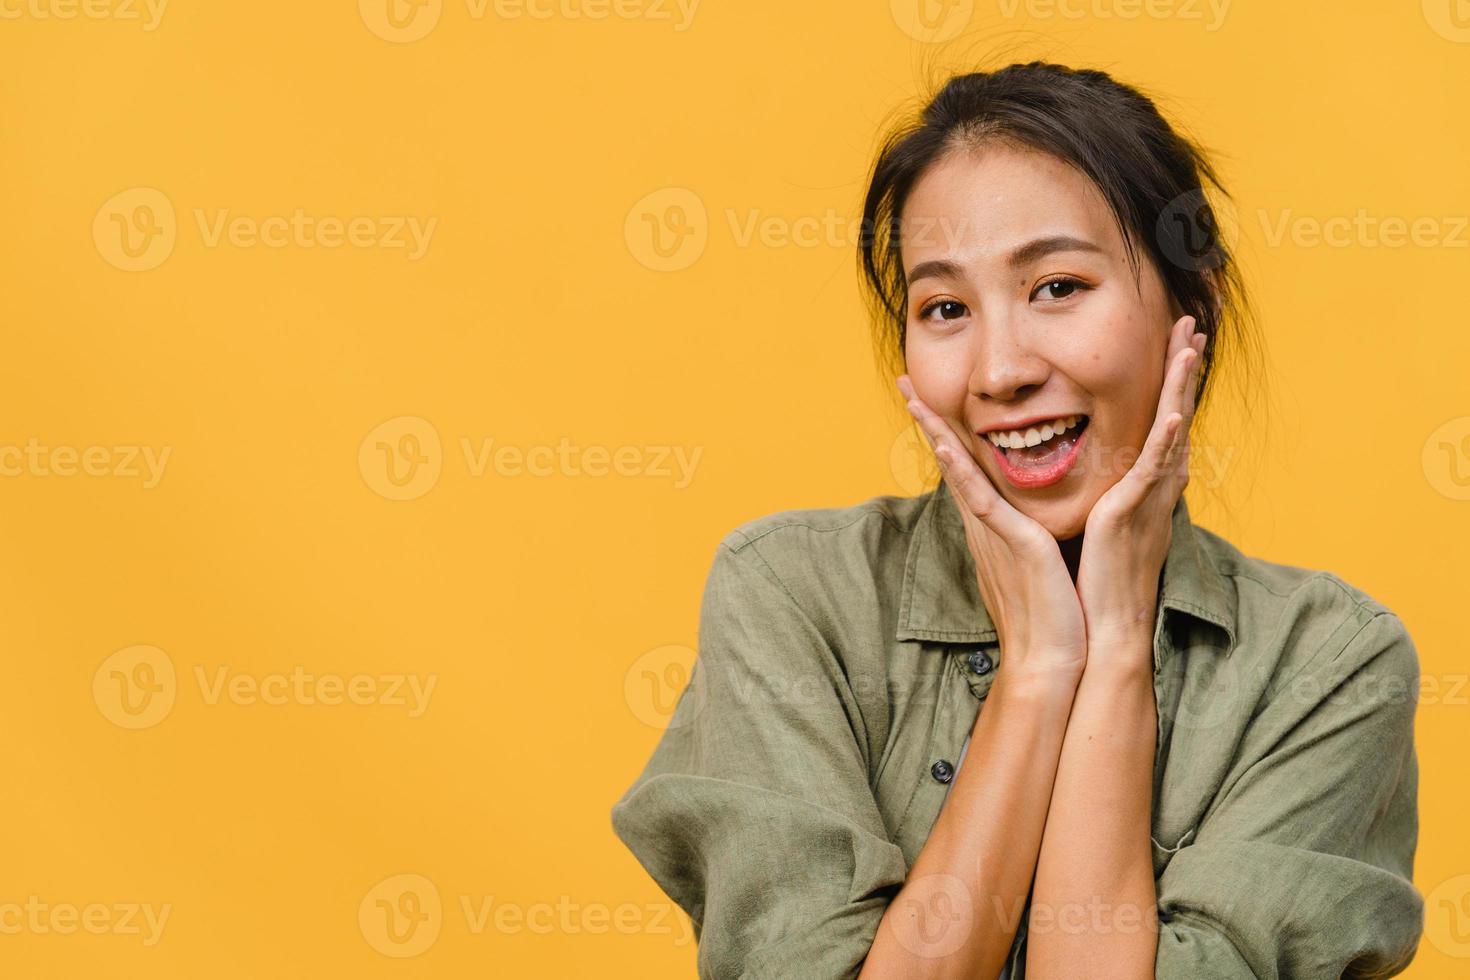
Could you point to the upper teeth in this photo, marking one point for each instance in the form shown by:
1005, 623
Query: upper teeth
1017, 439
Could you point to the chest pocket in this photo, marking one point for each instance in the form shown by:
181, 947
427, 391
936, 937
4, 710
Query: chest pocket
930, 737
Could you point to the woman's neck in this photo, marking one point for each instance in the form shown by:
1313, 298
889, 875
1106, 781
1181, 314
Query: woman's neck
1071, 554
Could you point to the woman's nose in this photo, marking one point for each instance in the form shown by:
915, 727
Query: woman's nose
1005, 363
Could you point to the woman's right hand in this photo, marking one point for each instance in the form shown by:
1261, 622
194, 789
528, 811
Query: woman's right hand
1023, 579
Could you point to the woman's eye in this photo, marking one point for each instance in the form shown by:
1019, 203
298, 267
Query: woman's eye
948, 309
1057, 289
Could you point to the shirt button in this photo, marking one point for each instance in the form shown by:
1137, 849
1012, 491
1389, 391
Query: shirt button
980, 662
942, 771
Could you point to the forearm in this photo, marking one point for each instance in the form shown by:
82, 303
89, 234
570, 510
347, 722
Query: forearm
961, 905
1094, 911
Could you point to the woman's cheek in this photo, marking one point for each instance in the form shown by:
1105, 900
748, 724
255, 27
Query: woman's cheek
940, 377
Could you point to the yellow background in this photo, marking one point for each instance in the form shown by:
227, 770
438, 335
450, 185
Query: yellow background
548, 609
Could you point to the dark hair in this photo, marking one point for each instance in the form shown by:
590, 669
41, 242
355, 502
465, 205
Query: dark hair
1152, 178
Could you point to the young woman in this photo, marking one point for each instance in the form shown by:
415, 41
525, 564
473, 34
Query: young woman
1036, 722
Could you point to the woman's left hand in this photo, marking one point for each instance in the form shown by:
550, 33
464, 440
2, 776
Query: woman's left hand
1129, 528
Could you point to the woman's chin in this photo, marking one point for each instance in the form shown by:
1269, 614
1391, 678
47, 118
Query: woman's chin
1062, 519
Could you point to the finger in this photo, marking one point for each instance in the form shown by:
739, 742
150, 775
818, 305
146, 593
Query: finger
1180, 466
1180, 454
989, 512
1154, 463
1158, 455
968, 484
1179, 338
1196, 374
1178, 389
1189, 338
1183, 407
935, 428
1175, 392
1197, 343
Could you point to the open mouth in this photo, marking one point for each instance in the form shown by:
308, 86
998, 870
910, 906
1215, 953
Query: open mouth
1039, 455
1039, 445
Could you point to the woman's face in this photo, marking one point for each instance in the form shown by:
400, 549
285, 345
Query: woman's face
1022, 309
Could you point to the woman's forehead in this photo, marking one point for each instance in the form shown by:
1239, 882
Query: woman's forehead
988, 202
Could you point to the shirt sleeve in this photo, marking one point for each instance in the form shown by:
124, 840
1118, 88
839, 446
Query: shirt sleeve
1303, 866
755, 813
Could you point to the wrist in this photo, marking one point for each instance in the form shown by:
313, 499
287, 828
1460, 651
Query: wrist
1119, 668
1019, 681
1121, 640
1125, 625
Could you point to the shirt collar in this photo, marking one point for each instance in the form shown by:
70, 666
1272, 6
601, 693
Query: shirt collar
941, 599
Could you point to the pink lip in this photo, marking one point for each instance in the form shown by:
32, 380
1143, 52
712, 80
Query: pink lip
1024, 424
1032, 479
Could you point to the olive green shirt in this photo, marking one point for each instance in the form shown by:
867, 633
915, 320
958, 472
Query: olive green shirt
844, 655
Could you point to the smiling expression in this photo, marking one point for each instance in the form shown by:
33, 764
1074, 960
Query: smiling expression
1022, 306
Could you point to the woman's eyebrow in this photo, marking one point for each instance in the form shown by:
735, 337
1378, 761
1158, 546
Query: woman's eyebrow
1041, 247
1022, 256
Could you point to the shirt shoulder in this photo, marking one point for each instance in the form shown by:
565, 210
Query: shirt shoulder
843, 566
1303, 618
826, 526
1260, 578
